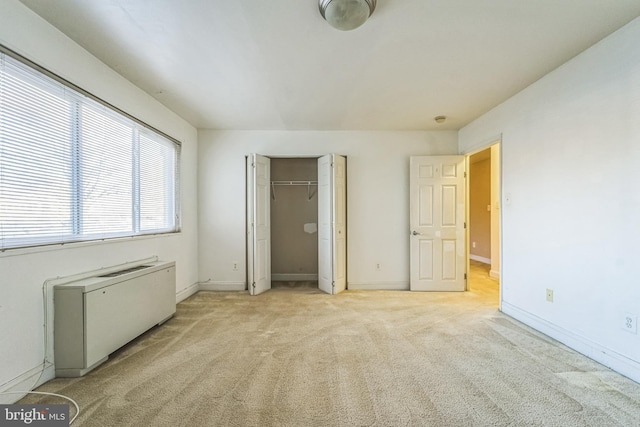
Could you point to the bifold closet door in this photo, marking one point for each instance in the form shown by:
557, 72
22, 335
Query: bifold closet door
258, 224
332, 236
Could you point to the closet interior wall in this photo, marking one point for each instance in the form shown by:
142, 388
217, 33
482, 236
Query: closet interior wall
294, 218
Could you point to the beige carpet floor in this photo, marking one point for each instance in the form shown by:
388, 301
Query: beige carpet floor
297, 357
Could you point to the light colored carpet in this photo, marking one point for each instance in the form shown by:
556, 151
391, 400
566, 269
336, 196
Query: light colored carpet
297, 357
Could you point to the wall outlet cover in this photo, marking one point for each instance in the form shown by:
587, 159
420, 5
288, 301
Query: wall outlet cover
630, 323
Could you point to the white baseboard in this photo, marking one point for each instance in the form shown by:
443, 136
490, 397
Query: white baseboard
378, 286
495, 274
284, 277
26, 382
480, 259
609, 358
222, 286
187, 292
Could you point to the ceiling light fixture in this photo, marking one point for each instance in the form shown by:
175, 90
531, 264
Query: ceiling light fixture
346, 15
440, 119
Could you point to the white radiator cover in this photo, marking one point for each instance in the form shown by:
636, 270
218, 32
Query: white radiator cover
94, 317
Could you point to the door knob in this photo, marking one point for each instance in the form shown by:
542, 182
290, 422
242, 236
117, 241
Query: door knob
415, 233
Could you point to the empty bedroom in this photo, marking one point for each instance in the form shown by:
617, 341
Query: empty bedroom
319, 213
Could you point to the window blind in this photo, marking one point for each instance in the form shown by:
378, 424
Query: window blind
72, 169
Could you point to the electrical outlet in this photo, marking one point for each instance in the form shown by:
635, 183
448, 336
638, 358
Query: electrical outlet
550, 295
377, 266
473, 244
630, 323
235, 266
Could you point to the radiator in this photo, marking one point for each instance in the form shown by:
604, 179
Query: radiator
95, 316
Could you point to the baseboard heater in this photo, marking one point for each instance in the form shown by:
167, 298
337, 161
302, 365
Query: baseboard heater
95, 316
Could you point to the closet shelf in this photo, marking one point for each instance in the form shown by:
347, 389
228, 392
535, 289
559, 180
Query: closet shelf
308, 184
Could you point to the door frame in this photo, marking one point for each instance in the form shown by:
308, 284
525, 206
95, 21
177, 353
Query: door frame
497, 140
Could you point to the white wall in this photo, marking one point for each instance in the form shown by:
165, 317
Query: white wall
22, 272
377, 198
570, 166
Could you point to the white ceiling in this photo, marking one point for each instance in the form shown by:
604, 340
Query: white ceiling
275, 64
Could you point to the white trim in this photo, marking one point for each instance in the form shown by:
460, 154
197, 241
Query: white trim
609, 358
485, 143
495, 274
20, 251
285, 277
480, 259
379, 286
26, 382
222, 286
187, 292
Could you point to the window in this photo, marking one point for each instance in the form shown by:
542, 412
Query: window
73, 168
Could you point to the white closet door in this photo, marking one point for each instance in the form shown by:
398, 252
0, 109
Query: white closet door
258, 224
332, 237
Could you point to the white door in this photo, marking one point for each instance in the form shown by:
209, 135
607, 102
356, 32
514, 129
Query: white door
332, 232
258, 224
437, 223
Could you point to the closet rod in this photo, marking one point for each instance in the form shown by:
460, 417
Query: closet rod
308, 184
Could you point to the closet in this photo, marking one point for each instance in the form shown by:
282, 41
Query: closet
296, 222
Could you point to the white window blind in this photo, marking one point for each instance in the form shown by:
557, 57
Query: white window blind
105, 165
157, 182
72, 168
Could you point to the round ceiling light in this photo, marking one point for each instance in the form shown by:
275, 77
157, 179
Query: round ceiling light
346, 15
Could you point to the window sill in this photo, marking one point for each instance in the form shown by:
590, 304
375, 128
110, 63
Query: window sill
10, 252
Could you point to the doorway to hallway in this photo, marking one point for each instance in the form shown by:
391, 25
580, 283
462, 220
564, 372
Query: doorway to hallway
483, 213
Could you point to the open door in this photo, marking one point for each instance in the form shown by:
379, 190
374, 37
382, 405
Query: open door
437, 211
258, 224
332, 232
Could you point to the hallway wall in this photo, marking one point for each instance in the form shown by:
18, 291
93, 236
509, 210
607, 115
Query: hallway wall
479, 208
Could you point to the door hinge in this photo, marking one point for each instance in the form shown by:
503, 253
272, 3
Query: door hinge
333, 284
465, 225
253, 285
465, 276
465, 174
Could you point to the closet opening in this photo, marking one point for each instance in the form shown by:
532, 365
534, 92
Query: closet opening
294, 222
297, 222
